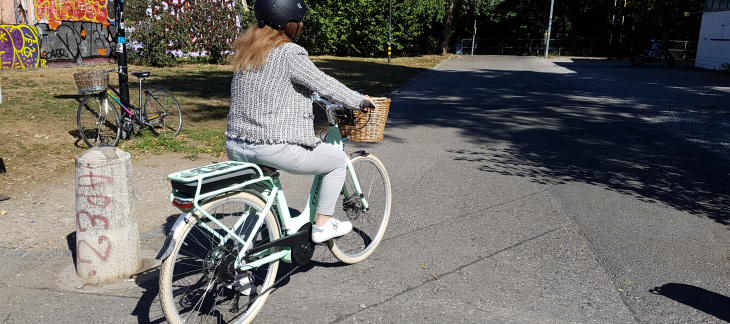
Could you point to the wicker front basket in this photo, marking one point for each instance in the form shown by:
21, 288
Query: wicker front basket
369, 127
92, 81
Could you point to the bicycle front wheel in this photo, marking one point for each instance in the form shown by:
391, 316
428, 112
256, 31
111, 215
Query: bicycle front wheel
98, 121
195, 279
163, 113
368, 224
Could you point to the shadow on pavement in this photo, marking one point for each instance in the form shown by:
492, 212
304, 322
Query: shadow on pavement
596, 122
701, 299
144, 311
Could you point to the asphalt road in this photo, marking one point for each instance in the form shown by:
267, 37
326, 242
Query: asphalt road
524, 191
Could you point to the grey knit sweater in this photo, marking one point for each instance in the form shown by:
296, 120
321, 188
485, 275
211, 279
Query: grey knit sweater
272, 104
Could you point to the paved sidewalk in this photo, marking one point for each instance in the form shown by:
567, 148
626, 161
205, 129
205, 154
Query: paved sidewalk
524, 191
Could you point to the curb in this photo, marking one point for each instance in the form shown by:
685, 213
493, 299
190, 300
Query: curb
417, 77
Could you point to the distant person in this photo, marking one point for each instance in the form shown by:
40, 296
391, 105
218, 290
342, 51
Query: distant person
656, 49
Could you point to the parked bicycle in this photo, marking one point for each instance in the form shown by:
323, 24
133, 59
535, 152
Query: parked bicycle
236, 222
98, 117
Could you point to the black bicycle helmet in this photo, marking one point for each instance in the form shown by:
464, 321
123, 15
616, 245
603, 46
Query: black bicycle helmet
277, 13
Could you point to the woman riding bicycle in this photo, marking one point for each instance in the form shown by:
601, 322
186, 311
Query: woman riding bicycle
270, 121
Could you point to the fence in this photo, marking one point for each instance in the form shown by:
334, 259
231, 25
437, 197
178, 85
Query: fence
564, 47
683, 49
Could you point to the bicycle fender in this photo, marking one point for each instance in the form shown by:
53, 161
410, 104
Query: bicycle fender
170, 239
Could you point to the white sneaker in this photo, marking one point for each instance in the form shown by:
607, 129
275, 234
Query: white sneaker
333, 228
243, 284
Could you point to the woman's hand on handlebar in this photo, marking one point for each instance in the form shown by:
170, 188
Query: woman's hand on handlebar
367, 103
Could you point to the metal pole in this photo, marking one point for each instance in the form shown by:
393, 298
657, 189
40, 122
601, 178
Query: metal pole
15, 6
390, 30
473, 37
550, 26
121, 50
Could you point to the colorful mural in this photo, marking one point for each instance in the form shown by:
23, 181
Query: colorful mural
19, 47
55, 11
76, 41
60, 31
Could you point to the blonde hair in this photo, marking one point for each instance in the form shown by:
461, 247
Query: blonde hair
255, 44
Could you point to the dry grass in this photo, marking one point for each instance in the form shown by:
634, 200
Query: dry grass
39, 109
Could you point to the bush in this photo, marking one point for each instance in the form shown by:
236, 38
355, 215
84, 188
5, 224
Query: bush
150, 37
155, 30
213, 26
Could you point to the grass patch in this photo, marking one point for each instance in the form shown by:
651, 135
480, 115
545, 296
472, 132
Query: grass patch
192, 142
39, 108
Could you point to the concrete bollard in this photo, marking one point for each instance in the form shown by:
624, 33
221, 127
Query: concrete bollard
107, 235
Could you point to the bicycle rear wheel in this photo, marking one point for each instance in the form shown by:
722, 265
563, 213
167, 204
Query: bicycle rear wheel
98, 121
162, 111
368, 225
194, 277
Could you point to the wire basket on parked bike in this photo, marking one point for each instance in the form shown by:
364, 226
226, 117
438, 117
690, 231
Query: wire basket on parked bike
368, 126
92, 81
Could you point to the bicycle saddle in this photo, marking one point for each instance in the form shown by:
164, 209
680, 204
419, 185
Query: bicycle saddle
141, 74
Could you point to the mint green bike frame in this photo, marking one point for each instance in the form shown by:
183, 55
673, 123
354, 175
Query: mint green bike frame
272, 194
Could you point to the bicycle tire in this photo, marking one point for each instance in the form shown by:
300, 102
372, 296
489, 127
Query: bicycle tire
368, 225
191, 284
162, 111
98, 126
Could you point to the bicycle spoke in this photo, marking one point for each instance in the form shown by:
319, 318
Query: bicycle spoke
194, 280
162, 113
200, 302
98, 121
368, 225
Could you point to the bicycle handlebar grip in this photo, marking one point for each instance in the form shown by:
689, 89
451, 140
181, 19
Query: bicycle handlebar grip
366, 105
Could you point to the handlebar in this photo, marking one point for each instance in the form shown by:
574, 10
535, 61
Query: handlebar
364, 104
336, 111
319, 100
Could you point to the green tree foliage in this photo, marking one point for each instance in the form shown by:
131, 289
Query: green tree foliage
589, 19
673, 19
360, 27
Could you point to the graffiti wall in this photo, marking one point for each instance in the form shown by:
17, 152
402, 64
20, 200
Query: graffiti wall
19, 47
56, 11
59, 31
56, 31
74, 30
76, 41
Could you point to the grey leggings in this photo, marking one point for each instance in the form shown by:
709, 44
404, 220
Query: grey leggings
325, 159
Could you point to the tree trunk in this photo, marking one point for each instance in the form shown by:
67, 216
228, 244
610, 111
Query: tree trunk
444, 43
